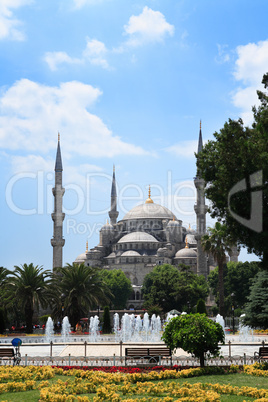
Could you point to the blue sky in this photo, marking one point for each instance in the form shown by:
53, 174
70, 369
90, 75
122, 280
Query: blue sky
125, 83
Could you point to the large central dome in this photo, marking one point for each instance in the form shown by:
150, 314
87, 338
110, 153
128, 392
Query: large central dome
149, 210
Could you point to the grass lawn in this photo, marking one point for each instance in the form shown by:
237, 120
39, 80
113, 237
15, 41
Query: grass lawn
117, 387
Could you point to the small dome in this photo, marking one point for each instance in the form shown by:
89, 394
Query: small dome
173, 223
160, 251
107, 227
81, 258
137, 237
191, 238
112, 255
186, 253
130, 253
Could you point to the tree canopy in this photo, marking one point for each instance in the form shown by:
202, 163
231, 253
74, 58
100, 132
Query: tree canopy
119, 285
256, 311
170, 288
28, 286
79, 288
194, 333
238, 278
218, 244
235, 169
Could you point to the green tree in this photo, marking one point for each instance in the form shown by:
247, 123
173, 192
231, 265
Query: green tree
194, 333
28, 286
218, 243
256, 311
237, 277
78, 288
3, 304
106, 328
235, 156
119, 285
201, 307
170, 288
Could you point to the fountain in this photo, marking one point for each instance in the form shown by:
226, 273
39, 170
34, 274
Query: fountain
66, 329
49, 330
136, 329
245, 332
94, 330
220, 320
116, 327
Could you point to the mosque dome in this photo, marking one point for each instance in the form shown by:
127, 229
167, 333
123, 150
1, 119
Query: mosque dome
173, 223
191, 239
80, 259
186, 253
137, 237
107, 227
130, 253
149, 211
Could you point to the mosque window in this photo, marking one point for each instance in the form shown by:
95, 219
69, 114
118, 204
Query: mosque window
137, 295
132, 296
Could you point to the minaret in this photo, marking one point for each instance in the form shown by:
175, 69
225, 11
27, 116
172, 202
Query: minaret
200, 210
57, 241
113, 213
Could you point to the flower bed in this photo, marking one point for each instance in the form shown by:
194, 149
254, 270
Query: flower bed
123, 384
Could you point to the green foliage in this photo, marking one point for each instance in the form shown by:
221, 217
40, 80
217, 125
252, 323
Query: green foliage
171, 289
78, 288
43, 318
201, 307
236, 275
194, 333
2, 321
106, 327
28, 286
217, 242
119, 285
236, 153
257, 308
155, 309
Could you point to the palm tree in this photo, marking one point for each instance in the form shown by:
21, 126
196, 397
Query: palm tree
28, 287
3, 279
217, 243
79, 289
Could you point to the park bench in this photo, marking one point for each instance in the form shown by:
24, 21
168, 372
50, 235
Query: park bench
262, 354
148, 355
8, 354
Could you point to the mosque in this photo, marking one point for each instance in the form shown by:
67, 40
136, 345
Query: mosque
148, 235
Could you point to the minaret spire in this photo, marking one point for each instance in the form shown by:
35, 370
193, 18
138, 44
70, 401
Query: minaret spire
57, 241
113, 213
200, 210
200, 140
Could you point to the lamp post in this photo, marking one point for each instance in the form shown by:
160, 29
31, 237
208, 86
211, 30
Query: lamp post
232, 296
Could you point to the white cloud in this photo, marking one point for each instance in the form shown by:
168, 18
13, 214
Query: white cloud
31, 114
185, 149
223, 56
10, 26
81, 3
95, 52
53, 59
31, 163
149, 26
251, 64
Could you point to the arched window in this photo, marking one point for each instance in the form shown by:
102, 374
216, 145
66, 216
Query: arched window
137, 295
